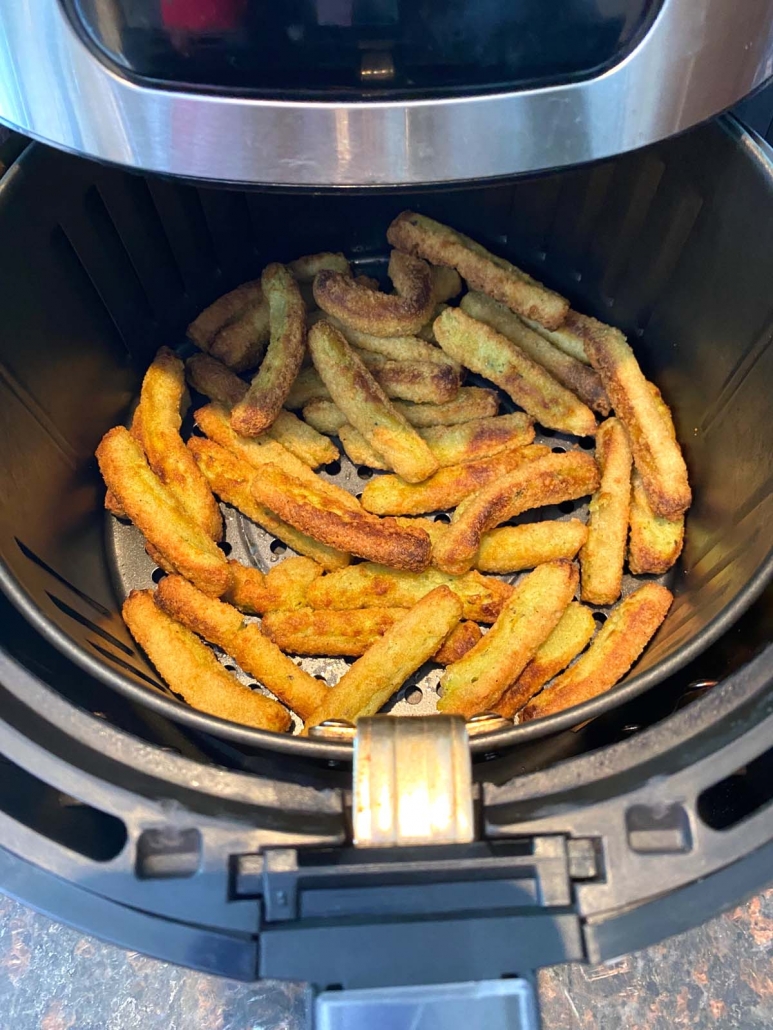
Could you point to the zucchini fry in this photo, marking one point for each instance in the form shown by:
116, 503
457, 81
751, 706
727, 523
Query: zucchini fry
395, 656
603, 554
655, 543
550, 480
341, 633
490, 354
308, 387
417, 234
169, 531
366, 407
479, 438
462, 638
225, 309
575, 628
359, 450
471, 403
282, 588
222, 625
231, 478
422, 382
618, 644
395, 348
515, 548
566, 337
215, 380
191, 670
269, 388
314, 512
476, 682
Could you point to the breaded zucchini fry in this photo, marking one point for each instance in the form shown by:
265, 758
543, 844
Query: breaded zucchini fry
314, 512
603, 554
390, 495
161, 399
618, 644
485, 351
366, 407
225, 309
395, 656
570, 372
417, 234
231, 478
575, 628
382, 314
446, 283
476, 682
269, 388
359, 450
369, 585
422, 382
191, 670
341, 633
224, 626
565, 337
462, 638
307, 387
647, 420
479, 438
514, 548
655, 543
169, 530
395, 348
550, 480
472, 402
241, 343
215, 380
305, 268
283, 588
324, 416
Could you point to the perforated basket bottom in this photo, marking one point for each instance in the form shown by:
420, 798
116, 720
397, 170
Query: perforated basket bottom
132, 569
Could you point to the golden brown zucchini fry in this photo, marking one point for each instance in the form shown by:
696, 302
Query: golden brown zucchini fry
550, 480
269, 388
422, 382
477, 682
395, 656
446, 283
222, 625
603, 554
382, 314
359, 450
515, 548
570, 372
485, 351
618, 644
215, 380
314, 512
417, 234
341, 633
366, 407
575, 628
307, 388
471, 403
566, 337
191, 669
479, 438
231, 479
462, 638
324, 416
646, 417
241, 343
655, 543
283, 588
395, 348
369, 585
225, 309
305, 268
161, 399
390, 495
149, 504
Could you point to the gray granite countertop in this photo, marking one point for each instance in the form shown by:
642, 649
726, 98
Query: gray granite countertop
54, 978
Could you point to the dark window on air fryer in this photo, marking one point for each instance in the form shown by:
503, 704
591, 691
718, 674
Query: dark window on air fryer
363, 48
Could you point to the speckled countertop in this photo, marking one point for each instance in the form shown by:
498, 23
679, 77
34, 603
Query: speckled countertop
53, 978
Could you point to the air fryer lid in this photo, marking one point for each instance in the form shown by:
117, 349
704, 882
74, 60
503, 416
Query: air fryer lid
661, 243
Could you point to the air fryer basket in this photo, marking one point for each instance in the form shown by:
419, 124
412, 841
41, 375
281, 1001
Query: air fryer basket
105, 266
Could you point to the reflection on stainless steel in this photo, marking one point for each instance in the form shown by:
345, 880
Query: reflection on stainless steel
697, 59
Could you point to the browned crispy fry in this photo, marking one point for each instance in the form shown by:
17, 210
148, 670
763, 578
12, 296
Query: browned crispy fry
283, 588
112, 503
427, 331
382, 314
483, 271
159, 432
647, 420
342, 633
446, 283
366, 407
462, 638
396, 348
550, 480
359, 450
184, 545
395, 656
269, 388
241, 343
369, 585
484, 350
215, 380
603, 554
655, 543
514, 548
305, 268
570, 372
231, 478
324, 416
472, 402
565, 337
390, 495
479, 438
367, 280
575, 628
618, 644
191, 669
314, 512
212, 419
308, 387
222, 625
224, 310
476, 682
422, 382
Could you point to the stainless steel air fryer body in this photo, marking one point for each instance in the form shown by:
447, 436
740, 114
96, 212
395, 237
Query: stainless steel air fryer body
70, 75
